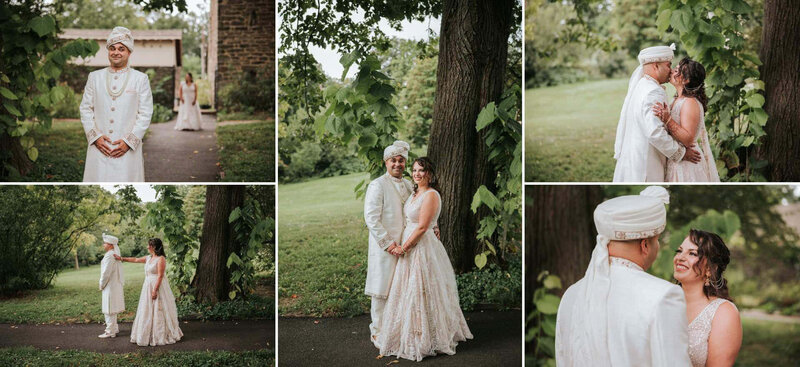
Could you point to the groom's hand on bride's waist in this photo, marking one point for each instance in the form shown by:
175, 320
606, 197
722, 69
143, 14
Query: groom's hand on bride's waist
691, 155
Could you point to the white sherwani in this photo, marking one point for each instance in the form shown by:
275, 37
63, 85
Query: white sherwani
126, 117
111, 284
646, 144
646, 323
383, 214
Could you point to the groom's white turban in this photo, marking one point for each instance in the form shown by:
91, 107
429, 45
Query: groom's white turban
657, 54
622, 218
120, 35
107, 238
399, 147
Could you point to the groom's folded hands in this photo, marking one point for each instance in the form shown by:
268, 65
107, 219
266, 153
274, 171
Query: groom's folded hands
120, 150
100, 143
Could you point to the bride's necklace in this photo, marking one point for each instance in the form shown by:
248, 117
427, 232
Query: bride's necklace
112, 93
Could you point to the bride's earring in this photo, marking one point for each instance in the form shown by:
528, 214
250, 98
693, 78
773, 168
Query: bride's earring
707, 283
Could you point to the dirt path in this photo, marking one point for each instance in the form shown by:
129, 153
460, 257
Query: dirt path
761, 315
345, 342
197, 335
181, 156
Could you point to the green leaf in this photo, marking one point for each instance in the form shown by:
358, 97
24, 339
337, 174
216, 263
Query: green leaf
549, 326
486, 116
734, 78
751, 57
756, 100
347, 61
7, 93
736, 6
480, 260
33, 153
663, 20
681, 19
14, 111
759, 116
235, 214
43, 25
552, 282
369, 139
232, 294
547, 304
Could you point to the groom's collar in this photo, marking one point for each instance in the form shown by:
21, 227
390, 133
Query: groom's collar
395, 179
613, 260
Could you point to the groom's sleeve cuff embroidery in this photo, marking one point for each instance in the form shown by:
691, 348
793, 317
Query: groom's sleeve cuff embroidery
678, 155
385, 242
93, 135
132, 140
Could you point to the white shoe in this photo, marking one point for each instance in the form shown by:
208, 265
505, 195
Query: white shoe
106, 335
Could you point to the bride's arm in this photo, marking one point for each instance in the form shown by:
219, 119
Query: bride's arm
429, 206
132, 259
690, 116
725, 338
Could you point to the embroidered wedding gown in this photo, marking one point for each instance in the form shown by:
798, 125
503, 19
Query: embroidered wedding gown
684, 171
699, 329
156, 321
422, 315
188, 114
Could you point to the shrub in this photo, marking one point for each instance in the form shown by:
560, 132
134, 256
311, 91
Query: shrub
68, 107
251, 91
161, 113
492, 285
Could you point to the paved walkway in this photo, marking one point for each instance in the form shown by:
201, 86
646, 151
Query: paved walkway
181, 156
345, 342
197, 335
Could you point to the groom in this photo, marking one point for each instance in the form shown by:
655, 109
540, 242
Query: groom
111, 285
643, 145
115, 112
383, 214
618, 315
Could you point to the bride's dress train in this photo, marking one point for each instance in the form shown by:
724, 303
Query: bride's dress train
422, 315
156, 321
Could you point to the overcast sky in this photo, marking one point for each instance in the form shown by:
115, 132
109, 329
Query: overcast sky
146, 193
329, 59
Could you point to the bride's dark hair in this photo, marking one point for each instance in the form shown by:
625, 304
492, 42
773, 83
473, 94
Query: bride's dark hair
158, 246
430, 170
714, 256
694, 74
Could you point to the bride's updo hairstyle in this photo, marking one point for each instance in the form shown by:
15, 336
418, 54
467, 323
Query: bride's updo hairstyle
430, 171
695, 74
713, 256
158, 246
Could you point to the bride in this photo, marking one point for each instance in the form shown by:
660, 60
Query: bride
189, 110
685, 123
156, 321
422, 315
715, 332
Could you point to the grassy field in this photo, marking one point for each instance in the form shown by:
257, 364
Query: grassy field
768, 343
62, 151
247, 151
74, 298
323, 251
34, 357
570, 130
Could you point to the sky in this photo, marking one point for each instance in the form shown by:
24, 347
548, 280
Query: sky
329, 59
146, 193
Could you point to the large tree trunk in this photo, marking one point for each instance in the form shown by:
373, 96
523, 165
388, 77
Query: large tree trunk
473, 49
212, 278
17, 156
780, 53
559, 232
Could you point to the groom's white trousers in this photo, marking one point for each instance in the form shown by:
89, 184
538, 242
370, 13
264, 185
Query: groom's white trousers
111, 323
376, 311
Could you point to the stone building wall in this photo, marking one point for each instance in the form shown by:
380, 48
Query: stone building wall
245, 44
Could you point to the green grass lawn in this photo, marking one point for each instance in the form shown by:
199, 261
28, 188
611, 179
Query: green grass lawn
323, 248
768, 343
28, 356
62, 151
570, 130
74, 297
247, 151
